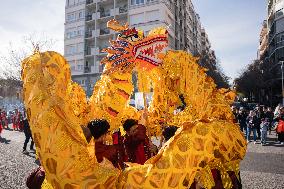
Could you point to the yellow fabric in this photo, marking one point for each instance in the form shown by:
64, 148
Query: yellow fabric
57, 108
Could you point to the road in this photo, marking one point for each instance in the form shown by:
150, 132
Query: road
262, 168
14, 165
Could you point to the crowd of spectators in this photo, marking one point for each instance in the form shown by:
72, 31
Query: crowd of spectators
260, 121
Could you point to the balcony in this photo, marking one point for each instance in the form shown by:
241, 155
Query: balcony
91, 51
122, 9
88, 51
87, 69
91, 34
273, 48
89, 17
99, 51
88, 34
104, 31
89, 2
105, 14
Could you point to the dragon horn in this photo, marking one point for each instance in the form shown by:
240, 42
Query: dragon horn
114, 25
108, 50
104, 60
112, 42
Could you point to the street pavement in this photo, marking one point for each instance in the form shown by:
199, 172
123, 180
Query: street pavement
262, 168
14, 165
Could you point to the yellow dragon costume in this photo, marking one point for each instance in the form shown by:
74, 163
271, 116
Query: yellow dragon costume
57, 108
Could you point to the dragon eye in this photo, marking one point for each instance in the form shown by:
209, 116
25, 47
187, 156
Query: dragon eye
136, 36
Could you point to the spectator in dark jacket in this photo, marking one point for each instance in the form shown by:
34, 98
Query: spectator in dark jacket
269, 114
28, 134
241, 118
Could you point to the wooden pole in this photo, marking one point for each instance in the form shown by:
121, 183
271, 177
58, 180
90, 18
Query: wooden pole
145, 113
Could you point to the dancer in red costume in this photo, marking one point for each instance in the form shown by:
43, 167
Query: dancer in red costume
16, 120
114, 153
4, 119
136, 142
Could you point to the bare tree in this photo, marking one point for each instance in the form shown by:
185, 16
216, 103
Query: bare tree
214, 70
14, 56
10, 78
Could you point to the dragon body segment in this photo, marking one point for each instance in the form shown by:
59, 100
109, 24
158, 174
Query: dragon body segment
57, 108
64, 153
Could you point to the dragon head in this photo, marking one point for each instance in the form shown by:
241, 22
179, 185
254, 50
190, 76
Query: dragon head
132, 48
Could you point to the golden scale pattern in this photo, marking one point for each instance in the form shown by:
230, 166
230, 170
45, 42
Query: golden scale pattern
57, 107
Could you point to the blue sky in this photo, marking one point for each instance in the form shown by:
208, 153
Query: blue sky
233, 28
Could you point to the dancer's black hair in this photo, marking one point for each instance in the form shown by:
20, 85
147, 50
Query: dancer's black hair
98, 127
129, 123
169, 132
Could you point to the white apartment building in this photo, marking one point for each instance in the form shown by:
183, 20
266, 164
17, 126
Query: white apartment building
148, 14
86, 33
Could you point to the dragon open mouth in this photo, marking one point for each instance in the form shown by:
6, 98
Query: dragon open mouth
148, 50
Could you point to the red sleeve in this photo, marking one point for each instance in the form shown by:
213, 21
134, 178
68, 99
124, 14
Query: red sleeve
140, 135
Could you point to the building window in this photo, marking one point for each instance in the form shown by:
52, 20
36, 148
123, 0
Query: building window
153, 15
83, 82
80, 30
70, 49
70, 2
74, 2
137, 2
80, 47
70, 33
71, 17
74, 32
81, 14
136, 19
80, 67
